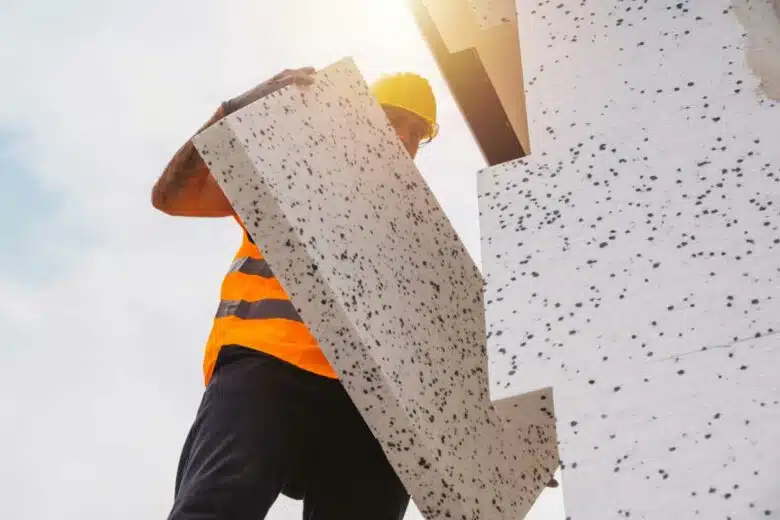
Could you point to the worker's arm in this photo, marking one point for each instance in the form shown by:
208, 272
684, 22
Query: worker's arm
186, 187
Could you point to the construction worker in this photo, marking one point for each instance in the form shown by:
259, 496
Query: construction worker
274, 417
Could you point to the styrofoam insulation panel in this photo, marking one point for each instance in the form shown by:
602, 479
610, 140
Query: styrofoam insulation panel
632, 261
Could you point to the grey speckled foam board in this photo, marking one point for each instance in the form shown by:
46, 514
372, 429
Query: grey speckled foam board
633, 260
490, 13
378, 273
462, 24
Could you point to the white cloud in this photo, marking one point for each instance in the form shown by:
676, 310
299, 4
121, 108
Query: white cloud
102, 359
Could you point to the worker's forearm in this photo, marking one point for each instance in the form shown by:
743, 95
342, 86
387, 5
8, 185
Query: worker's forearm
186, 186
185, 171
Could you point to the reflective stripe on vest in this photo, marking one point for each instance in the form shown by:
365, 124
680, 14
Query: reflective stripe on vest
255, 266
265, 309
256, 312
259, 310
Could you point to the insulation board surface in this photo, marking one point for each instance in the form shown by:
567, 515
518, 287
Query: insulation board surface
632, 261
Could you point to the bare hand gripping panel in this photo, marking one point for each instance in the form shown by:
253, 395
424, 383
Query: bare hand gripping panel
379, 275
633, 260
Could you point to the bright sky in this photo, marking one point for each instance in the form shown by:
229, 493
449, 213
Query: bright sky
105, 303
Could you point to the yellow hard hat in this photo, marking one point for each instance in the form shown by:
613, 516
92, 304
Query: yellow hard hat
411, 92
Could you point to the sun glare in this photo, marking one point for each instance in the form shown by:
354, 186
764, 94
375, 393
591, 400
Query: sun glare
381, 35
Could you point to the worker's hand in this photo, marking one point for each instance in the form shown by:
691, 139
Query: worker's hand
302, 76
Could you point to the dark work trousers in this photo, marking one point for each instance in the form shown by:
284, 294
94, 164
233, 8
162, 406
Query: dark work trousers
266, 427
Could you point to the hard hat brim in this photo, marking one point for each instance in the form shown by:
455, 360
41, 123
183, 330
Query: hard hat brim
433, 127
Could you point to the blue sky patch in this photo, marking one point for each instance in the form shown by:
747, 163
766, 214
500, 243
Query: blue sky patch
24, 209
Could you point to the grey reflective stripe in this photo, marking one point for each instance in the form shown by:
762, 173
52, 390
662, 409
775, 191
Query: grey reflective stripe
259, 310
254, 266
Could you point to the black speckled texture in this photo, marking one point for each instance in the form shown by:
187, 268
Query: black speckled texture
380, 276
491, 13
633, 260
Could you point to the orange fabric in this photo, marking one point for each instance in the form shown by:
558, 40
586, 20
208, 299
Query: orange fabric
287, 340
240, 286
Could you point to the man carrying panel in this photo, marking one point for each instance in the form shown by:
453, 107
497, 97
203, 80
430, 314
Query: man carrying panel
274, 417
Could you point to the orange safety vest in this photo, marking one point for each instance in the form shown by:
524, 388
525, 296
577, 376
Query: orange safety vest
255, 312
